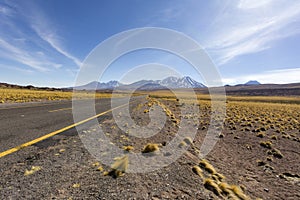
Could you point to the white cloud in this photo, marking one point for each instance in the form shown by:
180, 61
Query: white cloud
36, 47
47, 35
240, 31
47, 32
9, 51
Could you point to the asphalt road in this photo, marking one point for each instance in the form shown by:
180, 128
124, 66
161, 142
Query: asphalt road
21, 123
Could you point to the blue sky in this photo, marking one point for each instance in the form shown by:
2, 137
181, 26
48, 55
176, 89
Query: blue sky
44, 43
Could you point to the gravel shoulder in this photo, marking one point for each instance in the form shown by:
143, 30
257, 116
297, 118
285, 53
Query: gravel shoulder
62, 168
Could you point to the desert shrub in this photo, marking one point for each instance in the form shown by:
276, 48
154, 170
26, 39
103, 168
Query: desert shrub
119, 167
121, 164
225, 188
207, 166
274, 137
182, 144
269, 159
260, 134
266, 144
128, 148
197, 170
239, 192
212, 186
188, 140
150, 148
261, 163
218, 177
276, 153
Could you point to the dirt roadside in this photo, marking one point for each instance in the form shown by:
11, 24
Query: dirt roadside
62, 168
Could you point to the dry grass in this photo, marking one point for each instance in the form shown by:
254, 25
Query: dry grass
274, 137
186, 94
215, 183
32, 170
266, 144
8, 95
150, 148
128, 148
218, 177
261, 134
119, 167
239, 192
225, 188
212, 186
186, 141
207, 166
276, 153
121, 164
197, 170
264, 117
182, 144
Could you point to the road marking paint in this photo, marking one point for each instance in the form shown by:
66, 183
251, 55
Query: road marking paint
62, 109
17, 148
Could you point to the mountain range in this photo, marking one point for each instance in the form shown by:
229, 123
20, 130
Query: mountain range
169, 82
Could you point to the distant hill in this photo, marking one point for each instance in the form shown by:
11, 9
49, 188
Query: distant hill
252, 83
99, 86
249, 83
30, 87
291, 89
169, 82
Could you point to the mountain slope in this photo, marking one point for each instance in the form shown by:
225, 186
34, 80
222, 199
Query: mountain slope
99, 86
252, 83
169, 82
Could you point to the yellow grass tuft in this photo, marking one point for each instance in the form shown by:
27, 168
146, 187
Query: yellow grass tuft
218, 177
32, 170
128, 148
100, 168
76, 185
105, 173
121, 164
239, 192
119, 167
266, 144
212, 186
225, 187
188, 140
207, 166
197, 170
62, 150
182, 144
95, 164
149, 148
261, 134
274, 137
276, 153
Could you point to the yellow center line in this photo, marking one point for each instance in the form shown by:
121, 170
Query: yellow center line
62, 109
17, 148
